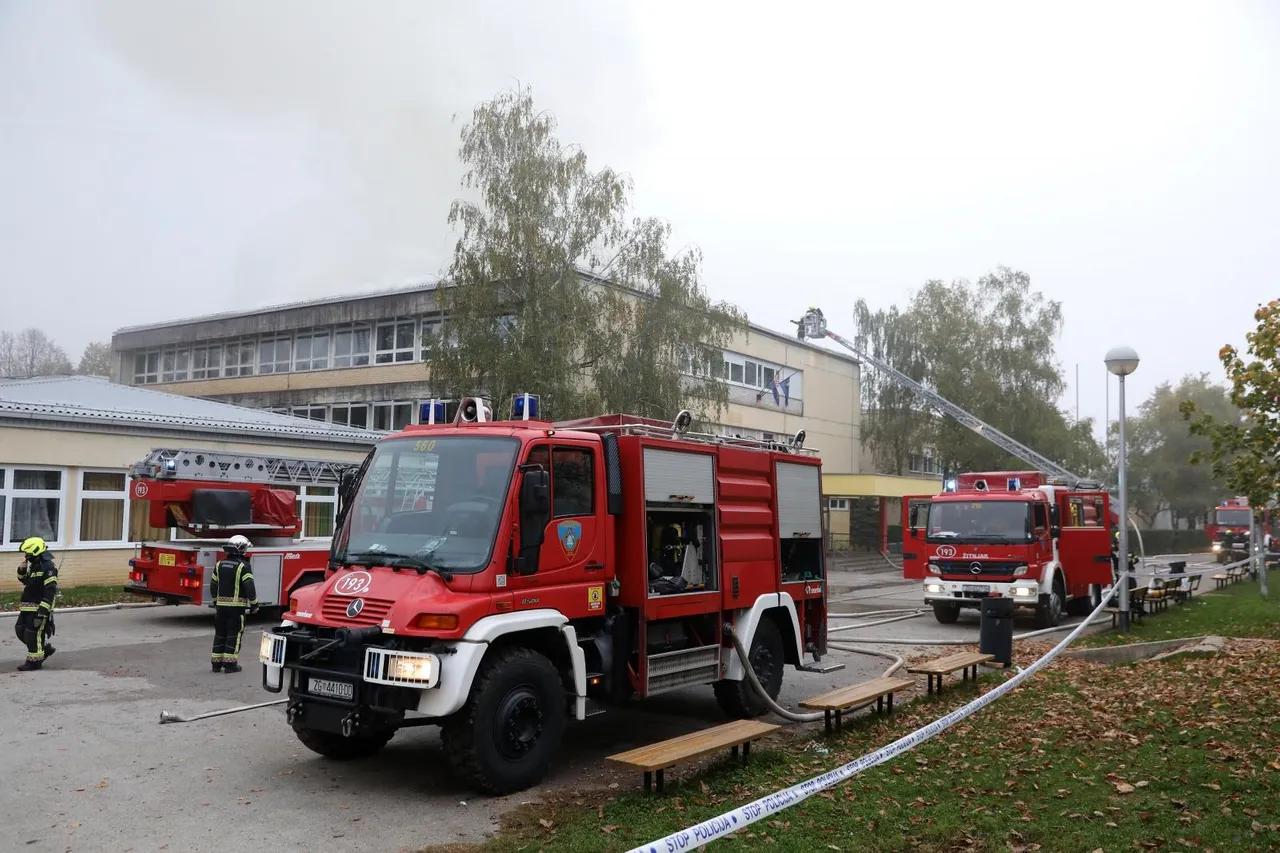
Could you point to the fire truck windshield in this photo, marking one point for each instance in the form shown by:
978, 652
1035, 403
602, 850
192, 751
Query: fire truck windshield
433, 502
1233, 517
979, 521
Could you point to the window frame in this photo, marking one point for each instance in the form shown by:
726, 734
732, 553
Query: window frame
275, 341
312, 362
9, 491
125, 497
398, 353
354, 357
837, 504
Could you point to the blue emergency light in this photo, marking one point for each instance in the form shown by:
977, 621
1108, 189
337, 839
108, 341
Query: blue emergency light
171, 464
433, 412
524, 407
949, 485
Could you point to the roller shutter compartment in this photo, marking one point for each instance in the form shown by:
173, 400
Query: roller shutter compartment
799, 501
672, 476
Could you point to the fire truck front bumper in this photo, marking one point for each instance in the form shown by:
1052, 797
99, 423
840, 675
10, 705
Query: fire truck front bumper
326, 688
1025, 592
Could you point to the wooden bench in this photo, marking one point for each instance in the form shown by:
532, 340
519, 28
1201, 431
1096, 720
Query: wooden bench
677, 750
1161, 593
1193, 586
1137, 605
836, 702
936, 669
1220, 580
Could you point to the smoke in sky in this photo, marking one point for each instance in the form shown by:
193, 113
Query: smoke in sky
368, 94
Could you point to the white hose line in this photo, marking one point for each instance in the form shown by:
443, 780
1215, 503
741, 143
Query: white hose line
873, 613
838, 628
170, 717
90, 608
898, 661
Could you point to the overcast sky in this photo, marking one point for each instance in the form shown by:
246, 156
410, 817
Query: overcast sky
164, 159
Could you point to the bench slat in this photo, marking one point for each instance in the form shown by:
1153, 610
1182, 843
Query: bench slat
950, 663
854, 694
664, 754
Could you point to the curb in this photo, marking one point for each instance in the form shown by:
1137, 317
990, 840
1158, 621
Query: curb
1128, 653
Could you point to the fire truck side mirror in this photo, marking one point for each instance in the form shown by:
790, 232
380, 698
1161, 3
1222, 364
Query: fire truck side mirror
1055, 524
535, 515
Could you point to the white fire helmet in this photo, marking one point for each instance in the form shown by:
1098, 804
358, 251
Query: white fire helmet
238, 543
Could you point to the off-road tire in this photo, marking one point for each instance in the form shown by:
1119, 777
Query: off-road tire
947, 614
1049, 614
737, 698
340, 748
505, 737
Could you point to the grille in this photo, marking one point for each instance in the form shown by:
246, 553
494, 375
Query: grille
375, 610
990, 568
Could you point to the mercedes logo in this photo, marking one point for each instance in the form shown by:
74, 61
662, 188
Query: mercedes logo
354, 608
975, 568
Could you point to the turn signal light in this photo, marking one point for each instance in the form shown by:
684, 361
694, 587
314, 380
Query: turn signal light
293, 605
436, 621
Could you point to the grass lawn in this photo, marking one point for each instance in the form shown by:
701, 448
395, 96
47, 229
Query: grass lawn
1182, 754
1233, 611
77, 596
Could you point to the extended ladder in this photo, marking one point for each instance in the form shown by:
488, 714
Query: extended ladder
181, 464
814, 325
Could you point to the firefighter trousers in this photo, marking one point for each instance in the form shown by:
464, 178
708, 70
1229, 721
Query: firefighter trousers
31, 628
228, 628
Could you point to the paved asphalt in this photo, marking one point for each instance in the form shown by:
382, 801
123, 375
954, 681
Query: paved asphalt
91, 768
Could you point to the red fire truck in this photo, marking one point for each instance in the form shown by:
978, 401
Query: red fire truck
1039, 541
559, 568
213, 496
1229, 530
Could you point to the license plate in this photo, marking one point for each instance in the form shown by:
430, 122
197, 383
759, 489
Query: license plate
331, 689
168, 560
975, 587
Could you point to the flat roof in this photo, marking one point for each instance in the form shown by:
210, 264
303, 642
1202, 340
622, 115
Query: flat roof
89, 400
408, 289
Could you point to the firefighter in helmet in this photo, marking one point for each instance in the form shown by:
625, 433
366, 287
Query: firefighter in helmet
233, 595
39, 576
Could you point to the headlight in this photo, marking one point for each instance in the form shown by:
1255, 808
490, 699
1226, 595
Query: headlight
933, 587
935, 569
1023, 591
1021, 571
415, 670
1217, 546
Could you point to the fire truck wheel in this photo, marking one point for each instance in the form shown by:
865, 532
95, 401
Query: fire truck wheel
340, 748
1049, 610
505, 737
946, 613
737, 698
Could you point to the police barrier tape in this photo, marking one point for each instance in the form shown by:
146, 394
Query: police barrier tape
718, 827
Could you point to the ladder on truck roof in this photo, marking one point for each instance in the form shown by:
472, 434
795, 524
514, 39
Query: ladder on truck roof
183, 464
656, 429
814, 325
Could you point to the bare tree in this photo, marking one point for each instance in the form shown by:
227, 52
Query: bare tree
31, 353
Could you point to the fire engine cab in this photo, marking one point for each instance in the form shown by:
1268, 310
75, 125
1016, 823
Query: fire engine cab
558, 568
213, 496
1019, 534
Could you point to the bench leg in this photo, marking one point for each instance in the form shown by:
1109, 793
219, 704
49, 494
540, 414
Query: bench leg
880, 705
839, 721
826, 717
733, 753
660, 780
648, 782
746, 753
890, 703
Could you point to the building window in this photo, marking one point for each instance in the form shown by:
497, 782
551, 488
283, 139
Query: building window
273, 355
140, 529
206, 362
432, 329
389, 417
238, 360
146, 367
319, 508
351, 346
311, 413
104, 506
31, 502
175, 365
351, 414
838, 504
395, 342
312, 352
923, 463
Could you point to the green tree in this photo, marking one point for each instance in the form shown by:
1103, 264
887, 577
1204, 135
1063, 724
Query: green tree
1242, 447
95, 360
554, 290
1161, 444
895, 420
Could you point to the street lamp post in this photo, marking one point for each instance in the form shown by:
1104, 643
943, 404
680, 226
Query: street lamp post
1122, 361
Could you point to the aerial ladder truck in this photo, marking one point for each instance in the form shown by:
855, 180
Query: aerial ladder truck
214, 495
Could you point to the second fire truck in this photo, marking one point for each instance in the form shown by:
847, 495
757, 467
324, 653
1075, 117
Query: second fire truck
1041, 542
214, 495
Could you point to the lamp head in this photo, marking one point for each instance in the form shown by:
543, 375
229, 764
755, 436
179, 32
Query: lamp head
1121, 360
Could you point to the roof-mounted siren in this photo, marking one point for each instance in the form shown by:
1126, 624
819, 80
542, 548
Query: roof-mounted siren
524, 407
681, 424
797, 441
434, 412
1014, 484
980, 486
474, 410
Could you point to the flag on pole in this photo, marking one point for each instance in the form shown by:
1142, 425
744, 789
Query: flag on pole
773, 386
786, 392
